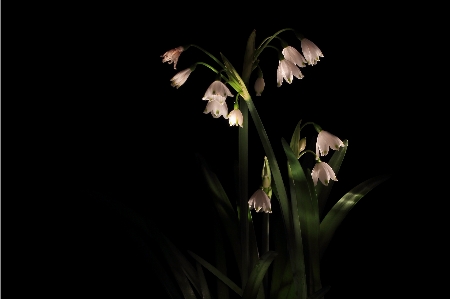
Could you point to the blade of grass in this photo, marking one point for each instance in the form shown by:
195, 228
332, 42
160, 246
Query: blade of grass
337, 214
217, 273
281, 195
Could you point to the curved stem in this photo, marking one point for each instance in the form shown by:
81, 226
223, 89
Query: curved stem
307, 123
307, 151
268, 40
209, 54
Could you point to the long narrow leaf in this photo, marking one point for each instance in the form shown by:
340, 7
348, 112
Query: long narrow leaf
335, 216
221, 262
324, 191
177, 270
225, 210
282, 281
185, 265
320, 293
303, 194
281, 195
217, 273
295, 138
255, 280
203, 284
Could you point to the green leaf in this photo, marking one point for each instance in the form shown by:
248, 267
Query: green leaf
335, 216
306, 220
177, 259
175, 266
281, 195
295, 138
203, 285
225, 210
248, 57
232, 73
163, 277
320, 293
217, 273
282, 281
324, 191
255, 280
221, 262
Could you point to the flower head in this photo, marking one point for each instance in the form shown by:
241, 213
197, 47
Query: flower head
286, 70
310, 51
172, 56
259, 200
291, 54
217, 91
236, 118
259, 85
180, 78
323, 172
216, 109
325, 141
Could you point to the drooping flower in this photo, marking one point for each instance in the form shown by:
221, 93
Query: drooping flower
259, 86
180, 78
216, 109
172, 56
323, 172
260, 201
287, 70
310, 51
217, 91
236, 118
291, 54
325, 141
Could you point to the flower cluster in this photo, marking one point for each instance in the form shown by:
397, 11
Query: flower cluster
322, 171
288, 67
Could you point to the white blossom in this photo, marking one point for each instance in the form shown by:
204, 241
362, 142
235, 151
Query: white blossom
172, 56
260, 201
291, 54
180, 78
310, 51
236, 118
217, 91
325, 141
216, 109
287, 70
323, 172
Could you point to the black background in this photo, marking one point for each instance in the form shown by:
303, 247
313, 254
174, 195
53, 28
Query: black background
126, 140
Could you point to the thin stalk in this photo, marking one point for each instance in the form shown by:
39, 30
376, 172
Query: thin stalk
265, 248
243, 192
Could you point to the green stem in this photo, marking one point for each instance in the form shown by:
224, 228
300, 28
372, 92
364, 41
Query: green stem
243, 192
263, 46
209, 54
213, 69
295, 247
307, 123
265, 248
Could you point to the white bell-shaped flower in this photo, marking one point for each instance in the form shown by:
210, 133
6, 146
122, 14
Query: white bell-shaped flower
325, 141
216, 109
291, 54
172, 56
287, 70
236, 118
323, 172
310, 51
217, 91
180, 78
260, 201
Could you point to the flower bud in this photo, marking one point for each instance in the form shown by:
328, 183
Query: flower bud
301, 145
259, 85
